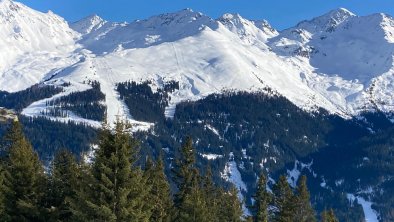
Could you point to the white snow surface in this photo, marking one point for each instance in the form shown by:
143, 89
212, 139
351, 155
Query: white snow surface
338, 61
232, 174
211, 156
32, 45
370, 214
294, 174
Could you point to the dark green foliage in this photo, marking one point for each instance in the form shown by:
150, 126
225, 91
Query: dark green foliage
271, 128
198, 199
143, 104
63, 185
262, 200
213, 196
284, 205
113, 188
118, 190
264, 128
303, 210
159, 196
24, 98
24, 178
367, 160
328, 216
283, 201
189, 201
230, 208
86, 104
3, 215
47, 137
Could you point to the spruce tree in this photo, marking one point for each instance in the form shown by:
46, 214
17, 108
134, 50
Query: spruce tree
190, 201
329, 216
160, 194
303, 211
63, 185
3, 215
117, 191
230, 206
283, 201
24, 178
262, 200
212, 196
80, 202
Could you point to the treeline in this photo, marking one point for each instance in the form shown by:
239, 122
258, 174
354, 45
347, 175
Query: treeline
88, 104
143, 103
113, 188
24, 98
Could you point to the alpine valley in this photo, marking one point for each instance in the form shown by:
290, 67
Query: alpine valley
316, 99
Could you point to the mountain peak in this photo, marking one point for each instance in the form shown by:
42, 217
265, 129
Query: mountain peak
339, 14
181, 18
246, 29
266, 27
231, 16
88, 24
327, 22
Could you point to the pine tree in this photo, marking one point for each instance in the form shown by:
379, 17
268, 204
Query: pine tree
117, 191
24, 178
262, 200
212, 196
63, 185
283, 197
79, 203
190, 201
303, 209
329, 216
160, 194
3, 215
230, 206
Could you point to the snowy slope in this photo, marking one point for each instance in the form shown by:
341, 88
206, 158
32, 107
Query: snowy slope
338, 61
351, 55
32, 44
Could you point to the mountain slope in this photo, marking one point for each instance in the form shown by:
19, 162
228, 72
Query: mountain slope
353, 54
33, 44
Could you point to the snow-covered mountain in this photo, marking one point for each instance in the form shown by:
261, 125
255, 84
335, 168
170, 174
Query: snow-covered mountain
32, 44
338, 61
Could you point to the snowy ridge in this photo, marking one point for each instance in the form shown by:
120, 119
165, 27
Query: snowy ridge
338, 61
89, 24
249, 31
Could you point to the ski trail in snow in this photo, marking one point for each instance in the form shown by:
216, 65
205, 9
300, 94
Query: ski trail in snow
183, 69
115, 108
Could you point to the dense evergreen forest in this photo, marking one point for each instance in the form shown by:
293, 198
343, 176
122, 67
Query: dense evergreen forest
112, 187
258, 133
87, 104
24, 98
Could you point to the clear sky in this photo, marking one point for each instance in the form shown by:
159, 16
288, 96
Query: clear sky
280, 13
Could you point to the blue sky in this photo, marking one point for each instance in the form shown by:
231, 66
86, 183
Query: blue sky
280, 13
